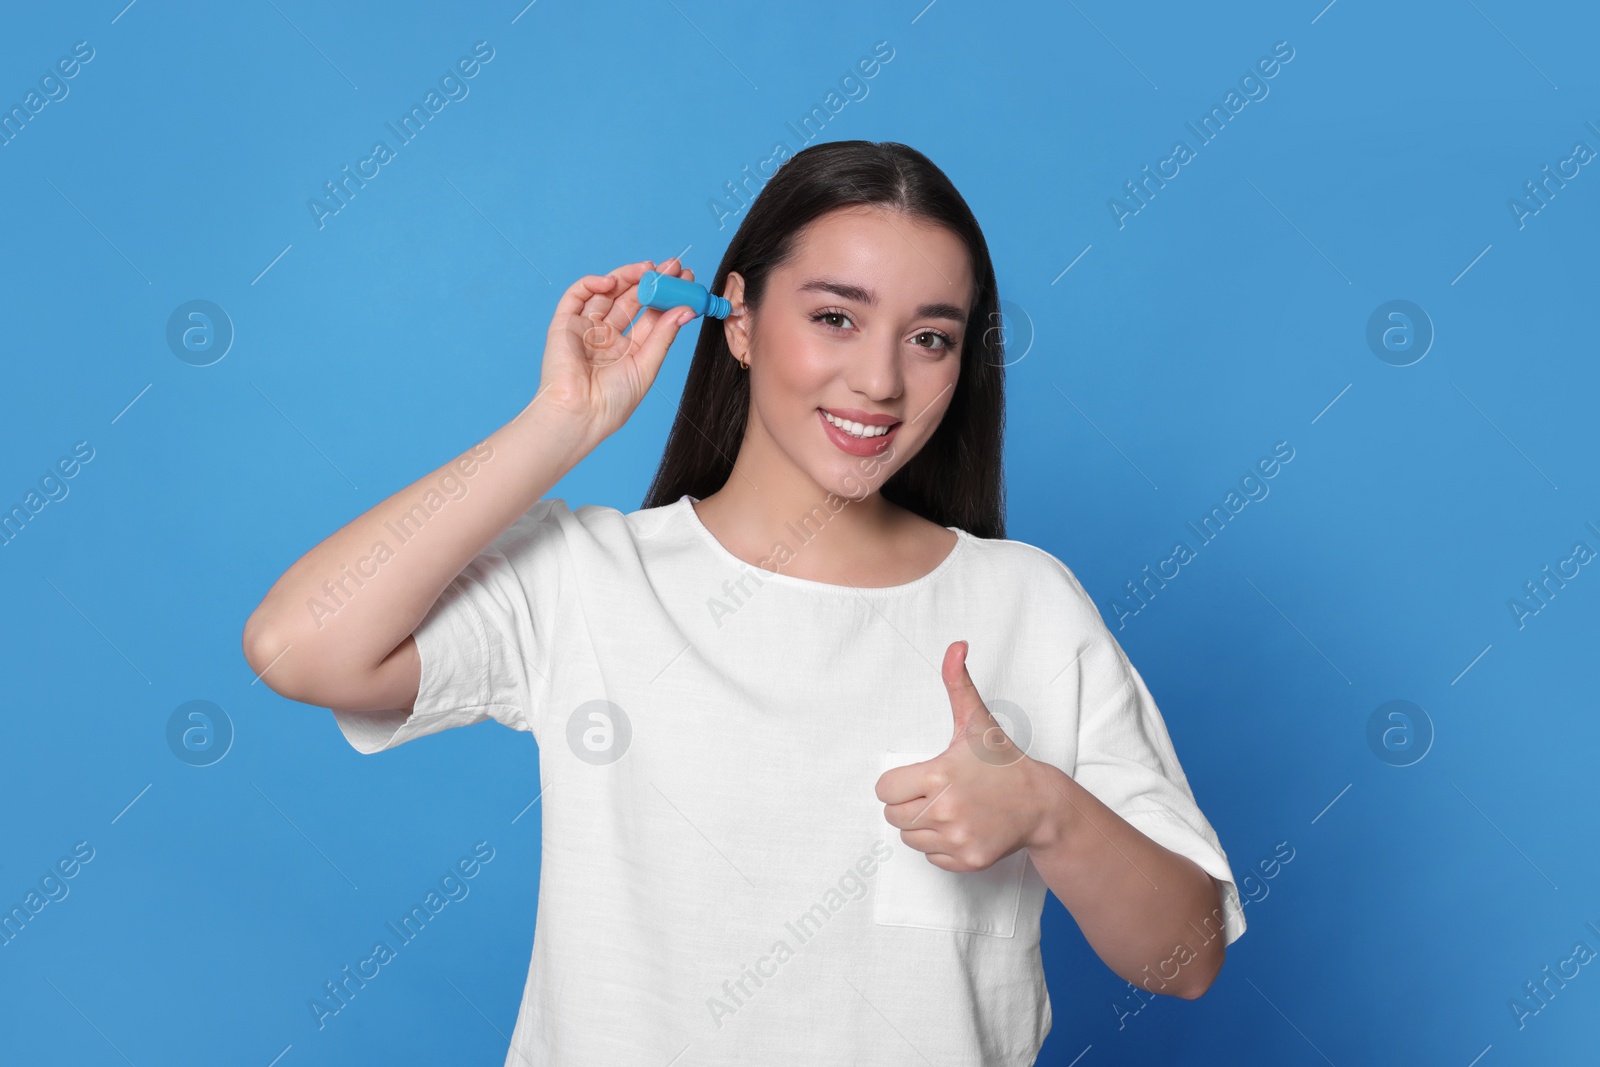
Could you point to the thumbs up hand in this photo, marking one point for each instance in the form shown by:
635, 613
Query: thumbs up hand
980, 799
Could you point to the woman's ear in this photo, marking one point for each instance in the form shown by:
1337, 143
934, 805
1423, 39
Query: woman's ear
736, 327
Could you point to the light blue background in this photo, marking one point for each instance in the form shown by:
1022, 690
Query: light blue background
1227, 315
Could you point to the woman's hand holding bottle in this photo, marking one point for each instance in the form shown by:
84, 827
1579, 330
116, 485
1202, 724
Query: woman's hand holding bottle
594, 374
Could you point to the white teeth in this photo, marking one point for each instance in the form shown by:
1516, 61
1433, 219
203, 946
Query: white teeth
856, 429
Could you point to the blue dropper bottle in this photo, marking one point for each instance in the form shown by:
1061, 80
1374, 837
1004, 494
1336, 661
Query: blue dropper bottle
665, 291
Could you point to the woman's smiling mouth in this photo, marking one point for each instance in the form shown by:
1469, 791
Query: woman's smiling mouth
863, 435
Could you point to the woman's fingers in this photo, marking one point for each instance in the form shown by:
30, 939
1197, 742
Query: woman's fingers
657, 338
627, 303
607, 303
582, 291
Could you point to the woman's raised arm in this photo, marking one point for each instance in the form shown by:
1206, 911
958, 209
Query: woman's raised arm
335, 629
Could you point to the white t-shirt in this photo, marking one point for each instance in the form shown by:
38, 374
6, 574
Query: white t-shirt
718, 884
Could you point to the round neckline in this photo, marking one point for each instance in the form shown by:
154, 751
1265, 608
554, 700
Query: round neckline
686, 503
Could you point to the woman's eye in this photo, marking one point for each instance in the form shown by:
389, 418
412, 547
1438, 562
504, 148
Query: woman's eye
822, 315
944, 339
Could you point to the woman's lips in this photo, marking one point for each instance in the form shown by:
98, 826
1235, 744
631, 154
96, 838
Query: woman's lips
857, 446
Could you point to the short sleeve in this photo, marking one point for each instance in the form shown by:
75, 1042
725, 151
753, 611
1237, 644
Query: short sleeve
1126, 759
487, 644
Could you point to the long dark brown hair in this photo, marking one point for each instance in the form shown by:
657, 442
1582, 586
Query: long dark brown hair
956, 478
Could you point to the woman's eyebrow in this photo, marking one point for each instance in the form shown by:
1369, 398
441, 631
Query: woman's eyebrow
848, 291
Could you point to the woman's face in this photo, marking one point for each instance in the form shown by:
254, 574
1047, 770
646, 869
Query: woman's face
864, 323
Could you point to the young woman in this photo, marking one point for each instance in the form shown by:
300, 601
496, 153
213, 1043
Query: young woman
814, 739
